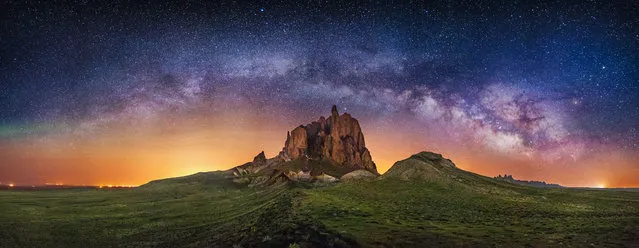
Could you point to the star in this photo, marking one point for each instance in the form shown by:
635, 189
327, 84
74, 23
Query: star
445, 77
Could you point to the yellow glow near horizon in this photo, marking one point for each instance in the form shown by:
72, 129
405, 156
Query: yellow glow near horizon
117, 186
122, 154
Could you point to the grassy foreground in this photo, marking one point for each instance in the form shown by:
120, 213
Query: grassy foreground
209, 210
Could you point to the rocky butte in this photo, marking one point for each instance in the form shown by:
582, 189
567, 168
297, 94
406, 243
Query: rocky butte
337, 138
325, 149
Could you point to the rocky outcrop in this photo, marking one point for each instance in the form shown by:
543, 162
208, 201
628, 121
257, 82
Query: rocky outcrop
539, 184
296, 142
358, 175
318, 153
259, 162
434, 158
325, 179
337, 138
260, 159
303, 176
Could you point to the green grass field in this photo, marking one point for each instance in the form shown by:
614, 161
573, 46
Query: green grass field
209, 210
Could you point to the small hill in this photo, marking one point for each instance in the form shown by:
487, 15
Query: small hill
423, 165
434, 168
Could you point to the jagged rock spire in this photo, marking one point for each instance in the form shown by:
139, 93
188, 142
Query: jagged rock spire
336, 138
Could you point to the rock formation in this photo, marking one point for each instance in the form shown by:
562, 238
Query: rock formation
358, 175
320, 152
259, 162
540, 184
337, 138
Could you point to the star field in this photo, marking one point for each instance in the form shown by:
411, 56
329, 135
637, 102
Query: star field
542, 89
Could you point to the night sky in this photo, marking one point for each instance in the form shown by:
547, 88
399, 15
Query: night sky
123, 93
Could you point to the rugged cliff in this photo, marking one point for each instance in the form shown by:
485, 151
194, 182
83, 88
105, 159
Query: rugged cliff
337, 138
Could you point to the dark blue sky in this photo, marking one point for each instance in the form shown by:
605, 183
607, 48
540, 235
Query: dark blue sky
557, 78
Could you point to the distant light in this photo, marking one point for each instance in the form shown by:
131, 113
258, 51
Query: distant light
261, 9
601, 186
117, 186
11, 185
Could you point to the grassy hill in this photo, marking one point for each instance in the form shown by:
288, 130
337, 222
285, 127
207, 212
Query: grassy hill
421, 201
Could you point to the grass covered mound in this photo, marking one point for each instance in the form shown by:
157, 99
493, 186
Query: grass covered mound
421, 201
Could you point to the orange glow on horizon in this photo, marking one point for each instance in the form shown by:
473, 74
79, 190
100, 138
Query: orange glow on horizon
127, 155
117, 186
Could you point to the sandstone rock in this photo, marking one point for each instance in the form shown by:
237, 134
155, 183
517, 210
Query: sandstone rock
296, 143
260, 159
259, 162
319, 152
358, 175
325, 179
301, 176
336, 138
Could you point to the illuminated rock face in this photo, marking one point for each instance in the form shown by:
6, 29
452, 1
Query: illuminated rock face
336, 138
296, 142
